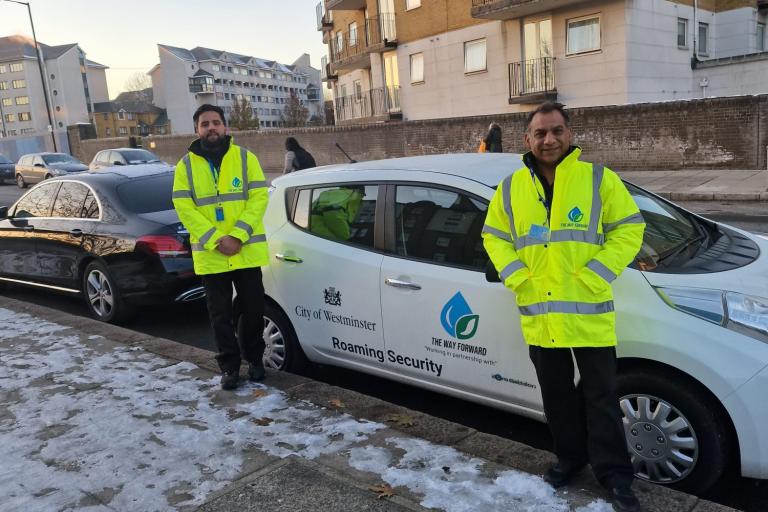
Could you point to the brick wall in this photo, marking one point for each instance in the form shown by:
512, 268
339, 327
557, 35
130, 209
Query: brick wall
713, 133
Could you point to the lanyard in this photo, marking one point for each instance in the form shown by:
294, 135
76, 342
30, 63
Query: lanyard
215, 174
543, 200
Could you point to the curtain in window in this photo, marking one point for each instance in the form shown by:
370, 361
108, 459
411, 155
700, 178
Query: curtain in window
417, 67
474, 56
583, 35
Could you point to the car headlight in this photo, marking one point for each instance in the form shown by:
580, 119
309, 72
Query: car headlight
745, 314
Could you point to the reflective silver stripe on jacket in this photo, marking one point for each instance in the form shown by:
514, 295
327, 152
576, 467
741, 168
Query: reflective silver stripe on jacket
182, 194
506, 192
207, 236
188, 165
600, 269
245, 227
597, 201
254, 239
257, 184
635, 218
562, 235
244, 165
510, 269
561, 306
527, 241
222, 198
497, 233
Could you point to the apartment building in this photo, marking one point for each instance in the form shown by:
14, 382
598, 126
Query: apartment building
131, 113
73, 83
185, 79
423, 59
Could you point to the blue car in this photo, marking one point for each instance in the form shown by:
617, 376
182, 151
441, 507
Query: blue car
6, 168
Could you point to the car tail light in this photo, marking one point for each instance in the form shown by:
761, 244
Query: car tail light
165, 246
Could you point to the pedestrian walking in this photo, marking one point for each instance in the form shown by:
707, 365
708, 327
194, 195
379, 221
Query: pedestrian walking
491, 143
220, 194
296, 157
559, 254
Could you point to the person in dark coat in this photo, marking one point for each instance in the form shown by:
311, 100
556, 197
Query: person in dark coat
296, 157
493, 139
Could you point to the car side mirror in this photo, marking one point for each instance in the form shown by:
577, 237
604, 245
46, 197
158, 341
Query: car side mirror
3, 212
39, 165
117, 162
490, 273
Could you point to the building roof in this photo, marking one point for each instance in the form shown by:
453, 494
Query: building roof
179, 52
18, 47
200, 53
202, 72
137, 102
92, 64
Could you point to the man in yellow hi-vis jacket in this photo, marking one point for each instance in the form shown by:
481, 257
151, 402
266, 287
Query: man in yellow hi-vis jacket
220, 195
558, 231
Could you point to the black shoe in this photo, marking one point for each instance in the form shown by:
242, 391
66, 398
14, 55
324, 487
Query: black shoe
229, 380
624, 500
562, 473
256, 371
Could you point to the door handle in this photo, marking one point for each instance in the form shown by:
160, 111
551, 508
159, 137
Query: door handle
29, 228
402, 284
285, 257
77, 233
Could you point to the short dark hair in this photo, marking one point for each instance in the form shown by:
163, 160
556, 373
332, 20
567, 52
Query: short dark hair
208, 108
546, 108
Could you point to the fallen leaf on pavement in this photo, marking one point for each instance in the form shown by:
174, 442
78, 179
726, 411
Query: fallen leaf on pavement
382, 490
262, 422
337, 403
258, 393
402, 420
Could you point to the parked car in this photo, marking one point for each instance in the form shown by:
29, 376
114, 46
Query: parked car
379, 267
112, 237
36, 167
7, 168
122, 156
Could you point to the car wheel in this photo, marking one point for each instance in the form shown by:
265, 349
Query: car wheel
676, 433
102, 296
20, 181
47, 177
282, 350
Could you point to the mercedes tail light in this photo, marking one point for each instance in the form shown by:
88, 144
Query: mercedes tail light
165, 246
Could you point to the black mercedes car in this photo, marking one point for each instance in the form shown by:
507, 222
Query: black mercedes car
111, 236
7, 167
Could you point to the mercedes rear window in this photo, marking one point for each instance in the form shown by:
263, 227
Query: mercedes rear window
147, 195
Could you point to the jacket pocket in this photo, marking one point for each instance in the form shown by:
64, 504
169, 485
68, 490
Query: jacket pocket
592, 281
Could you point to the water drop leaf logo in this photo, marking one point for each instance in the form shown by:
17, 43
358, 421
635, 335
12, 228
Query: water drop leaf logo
236, 182
457, 318
575, 215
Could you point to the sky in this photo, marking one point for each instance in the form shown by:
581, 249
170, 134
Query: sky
85, 416
124, 34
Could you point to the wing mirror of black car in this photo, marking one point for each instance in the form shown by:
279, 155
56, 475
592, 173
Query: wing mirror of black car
117, 162
490, 273
3, 212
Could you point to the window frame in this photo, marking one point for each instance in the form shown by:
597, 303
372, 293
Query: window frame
485, 45
53, 185
684, 23
88, 192
352, 29
599, 47
412, 4
700, 40
411, 61
760, 45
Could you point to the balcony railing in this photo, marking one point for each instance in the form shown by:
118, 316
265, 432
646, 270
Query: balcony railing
534, 79
201, 85
510, 9
323, 19
345, 5
346, 47
381, 30
371, 103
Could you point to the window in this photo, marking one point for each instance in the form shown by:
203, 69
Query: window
417, 68
342, 213
3, 68
10, 118
27, 130
109, 132
703, 39
123, 130
412, 4
761, 37
440, 226
90, 207
3, 86
339, 42
474, 56
37, 203
18, 66
358, 87
682, 32
19, 84
25, 116
70, 200
353, 34
121, 114
583, 35
11, 133
147, 195
7, 102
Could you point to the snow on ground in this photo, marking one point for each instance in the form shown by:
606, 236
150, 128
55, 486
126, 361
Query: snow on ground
84, 422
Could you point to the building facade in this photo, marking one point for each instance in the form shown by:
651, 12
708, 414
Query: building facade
131, 113
425, 59
185, 79
73, 84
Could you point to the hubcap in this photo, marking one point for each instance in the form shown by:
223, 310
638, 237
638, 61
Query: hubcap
274, 350
100, 294
661, 441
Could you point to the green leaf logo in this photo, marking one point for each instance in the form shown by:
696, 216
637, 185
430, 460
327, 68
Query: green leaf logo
466, 327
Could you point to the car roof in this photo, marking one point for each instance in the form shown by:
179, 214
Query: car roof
120, 173
486, 168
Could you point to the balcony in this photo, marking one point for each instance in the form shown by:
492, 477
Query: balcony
325, 70
348, 52
201, 85
532, 81
324, 22
380, 32
375, 105
510, 9
345, 5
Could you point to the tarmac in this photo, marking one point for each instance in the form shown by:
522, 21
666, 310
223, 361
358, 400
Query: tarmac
100, 418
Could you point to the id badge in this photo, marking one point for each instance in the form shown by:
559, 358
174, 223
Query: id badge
219, 213
539, 232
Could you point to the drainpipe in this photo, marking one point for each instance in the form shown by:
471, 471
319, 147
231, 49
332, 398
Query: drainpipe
695, 28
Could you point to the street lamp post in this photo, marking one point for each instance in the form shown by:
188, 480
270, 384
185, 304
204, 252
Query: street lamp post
42, 74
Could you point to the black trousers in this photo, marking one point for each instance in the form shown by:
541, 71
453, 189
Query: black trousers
585, 421
250, 293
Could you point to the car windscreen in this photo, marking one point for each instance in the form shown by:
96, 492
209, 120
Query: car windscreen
146, 195
58, 159
139, 156
4, 160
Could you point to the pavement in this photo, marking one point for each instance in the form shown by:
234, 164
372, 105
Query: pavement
100, 418
692, 184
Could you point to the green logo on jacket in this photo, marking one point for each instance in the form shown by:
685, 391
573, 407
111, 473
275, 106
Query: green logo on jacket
575, 215
236, 182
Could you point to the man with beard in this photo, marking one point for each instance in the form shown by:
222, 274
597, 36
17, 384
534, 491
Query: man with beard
220, 194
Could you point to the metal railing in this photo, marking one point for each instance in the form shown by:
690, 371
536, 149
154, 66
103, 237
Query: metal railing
478, 3
531, 76
350, 45
323, 20
201, 88
323, 68
373, 102
380, 29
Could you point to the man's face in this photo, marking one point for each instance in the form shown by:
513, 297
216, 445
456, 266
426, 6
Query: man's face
210, 128
548, 137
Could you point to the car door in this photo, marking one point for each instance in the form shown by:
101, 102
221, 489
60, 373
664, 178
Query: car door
445, 325
62, 239
18, 233
22, 167
326, 271
38, 170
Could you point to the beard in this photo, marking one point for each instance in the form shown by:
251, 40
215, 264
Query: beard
211, 142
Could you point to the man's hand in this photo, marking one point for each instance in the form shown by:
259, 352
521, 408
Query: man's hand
228, 245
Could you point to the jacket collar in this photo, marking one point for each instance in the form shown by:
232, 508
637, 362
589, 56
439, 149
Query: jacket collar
197, 148
573, 154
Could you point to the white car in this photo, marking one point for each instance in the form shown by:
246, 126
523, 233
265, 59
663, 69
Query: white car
379, 267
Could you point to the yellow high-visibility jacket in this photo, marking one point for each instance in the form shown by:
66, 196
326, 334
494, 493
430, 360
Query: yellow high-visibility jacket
242, 197
562, 278
333, 212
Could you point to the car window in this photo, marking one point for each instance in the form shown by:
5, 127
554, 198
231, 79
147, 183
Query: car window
102, 157
301, 214
90, 207
70, 200
344, 213
37, 160
58, 158
151, 194
441, 226
138, 156
23, 160
37, 203
4, 160
114, 156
